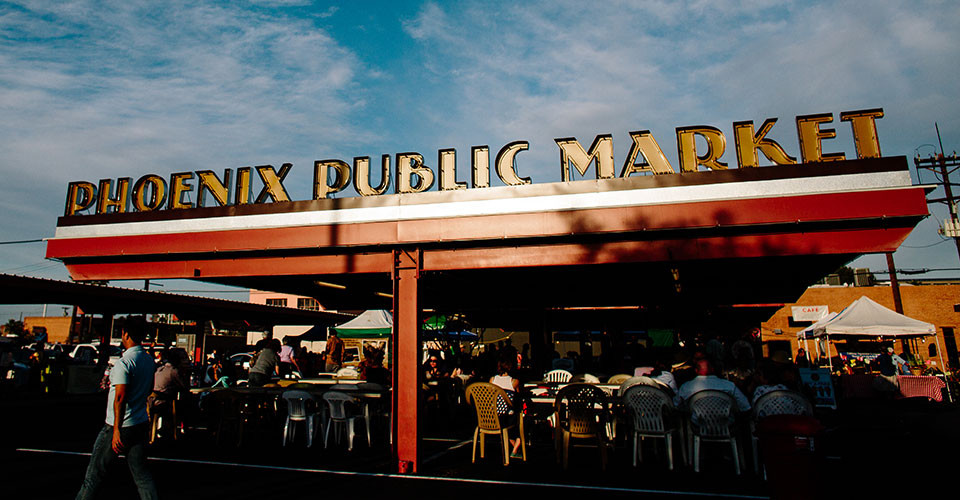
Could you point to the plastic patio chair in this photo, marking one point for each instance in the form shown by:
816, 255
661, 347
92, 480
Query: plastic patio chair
625, 385
779, 402
653, 415
585, 378
342, 417
618, 379
301, 407
581, 411
484, 397
712, 419
347, 373
557, 376
225, 404
162, 416
353, 388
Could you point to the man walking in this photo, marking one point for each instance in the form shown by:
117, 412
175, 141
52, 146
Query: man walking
127, 426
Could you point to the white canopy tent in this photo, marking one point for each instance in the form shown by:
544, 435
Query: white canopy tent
807, 333
866, 318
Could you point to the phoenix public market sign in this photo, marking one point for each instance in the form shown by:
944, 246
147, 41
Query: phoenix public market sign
413, 175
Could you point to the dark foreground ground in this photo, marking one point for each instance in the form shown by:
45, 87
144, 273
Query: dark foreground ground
880, 448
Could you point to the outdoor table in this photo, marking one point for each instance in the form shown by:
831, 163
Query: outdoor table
858, 385
261, 405
328, 381
544, 396
924, 386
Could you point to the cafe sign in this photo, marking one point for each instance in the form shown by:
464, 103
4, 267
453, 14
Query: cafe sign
809, 313
413, 175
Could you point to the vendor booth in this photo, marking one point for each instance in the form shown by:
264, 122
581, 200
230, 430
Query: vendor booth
866, 318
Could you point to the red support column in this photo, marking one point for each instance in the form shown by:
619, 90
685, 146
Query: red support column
406, 388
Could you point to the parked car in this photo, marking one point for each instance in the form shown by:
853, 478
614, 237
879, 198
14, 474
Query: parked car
241, 364
89, 353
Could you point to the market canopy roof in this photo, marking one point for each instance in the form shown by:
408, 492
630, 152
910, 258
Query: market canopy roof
103, 299
374, 323
867, 318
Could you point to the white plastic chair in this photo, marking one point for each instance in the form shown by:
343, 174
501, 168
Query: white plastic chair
557, 376
712, 419
653, 416
587, 378
341, 417
779, 402
625, 385
347, 373
618, 378
301, 407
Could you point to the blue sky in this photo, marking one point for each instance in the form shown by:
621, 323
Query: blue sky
92, 90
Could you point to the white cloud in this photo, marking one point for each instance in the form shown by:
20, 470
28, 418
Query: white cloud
90, 90
167, 84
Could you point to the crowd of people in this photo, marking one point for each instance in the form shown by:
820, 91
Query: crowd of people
730, 366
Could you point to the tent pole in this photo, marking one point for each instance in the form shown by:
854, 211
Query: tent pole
943, 367
829, 358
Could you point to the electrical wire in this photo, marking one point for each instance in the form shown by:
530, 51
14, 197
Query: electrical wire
37, 266
927, 246
16, 242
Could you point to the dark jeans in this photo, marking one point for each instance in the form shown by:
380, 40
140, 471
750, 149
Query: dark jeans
257, 379
134, 445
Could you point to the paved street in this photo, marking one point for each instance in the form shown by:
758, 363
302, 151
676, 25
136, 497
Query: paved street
46, 441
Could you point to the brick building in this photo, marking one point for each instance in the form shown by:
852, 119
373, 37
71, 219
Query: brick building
56, 327
932, 303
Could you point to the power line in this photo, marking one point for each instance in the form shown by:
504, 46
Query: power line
918, 271
925, 246
17, 242
37, 266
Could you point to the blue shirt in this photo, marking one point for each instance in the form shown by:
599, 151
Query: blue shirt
135, 370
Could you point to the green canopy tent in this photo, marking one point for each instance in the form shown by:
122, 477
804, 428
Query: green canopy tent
372, 324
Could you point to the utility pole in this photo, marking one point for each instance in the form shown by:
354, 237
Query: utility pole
944, 165
897, 302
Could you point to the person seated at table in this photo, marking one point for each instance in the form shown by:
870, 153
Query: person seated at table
685, 365
266, 365
170, 379
663, 376
171, 382
568, 362
742, 369
371, 368
431, 376
432, 369
511, 385
707, 379
767, 379
644, 363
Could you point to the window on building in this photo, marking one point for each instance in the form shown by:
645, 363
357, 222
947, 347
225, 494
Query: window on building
277, 302
308, 303
932, 350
